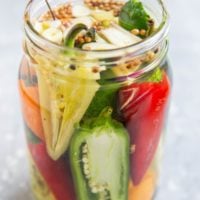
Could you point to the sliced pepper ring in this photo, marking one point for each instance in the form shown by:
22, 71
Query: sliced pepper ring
71, 36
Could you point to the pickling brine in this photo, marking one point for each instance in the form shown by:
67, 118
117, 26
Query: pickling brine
95, 86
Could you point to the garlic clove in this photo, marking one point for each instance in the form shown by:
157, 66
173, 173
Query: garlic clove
80, 11
55, 23
53, 34
101, 15
40, 27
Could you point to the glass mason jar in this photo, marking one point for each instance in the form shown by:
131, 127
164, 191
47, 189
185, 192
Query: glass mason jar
94, 120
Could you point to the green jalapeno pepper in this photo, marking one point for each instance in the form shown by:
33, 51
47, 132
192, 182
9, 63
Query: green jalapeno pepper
70, 38
99, 157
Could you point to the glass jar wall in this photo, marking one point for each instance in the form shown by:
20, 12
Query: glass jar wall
94, 120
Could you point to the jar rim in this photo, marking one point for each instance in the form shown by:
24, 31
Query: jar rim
146, 44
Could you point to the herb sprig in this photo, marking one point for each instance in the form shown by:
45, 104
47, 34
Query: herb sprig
134, 16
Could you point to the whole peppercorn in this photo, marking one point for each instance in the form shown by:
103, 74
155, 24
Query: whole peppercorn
88, 39
143, 32
72, 67
63, 13
95, 69
107, 5
151, 55
135, 32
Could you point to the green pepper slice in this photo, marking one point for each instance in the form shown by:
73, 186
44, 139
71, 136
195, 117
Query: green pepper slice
99, 157
70, 38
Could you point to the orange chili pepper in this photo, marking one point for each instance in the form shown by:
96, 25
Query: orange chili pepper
30, 101
145, 190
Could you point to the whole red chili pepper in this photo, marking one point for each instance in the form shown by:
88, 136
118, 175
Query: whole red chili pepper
143, 106
56, 173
